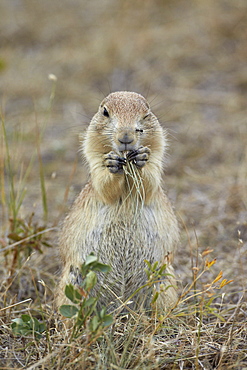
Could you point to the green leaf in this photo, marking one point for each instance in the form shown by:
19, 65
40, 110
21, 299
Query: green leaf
15, 237
155, 297
155, 265
94, 324
26, 318
34, 324
17, 321
108, 320
20, 329
102, 312
73, 294
147, 272
27, 325
163, 267
42, 327
90, 280
98, 266
148, 264
90, 302
68, 310
210, 301
90, 259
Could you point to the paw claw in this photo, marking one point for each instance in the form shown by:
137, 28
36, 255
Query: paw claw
139, 157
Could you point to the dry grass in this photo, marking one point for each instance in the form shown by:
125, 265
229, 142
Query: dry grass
189, 59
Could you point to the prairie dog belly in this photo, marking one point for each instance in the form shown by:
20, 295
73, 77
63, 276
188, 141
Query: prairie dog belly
135, 237
124, 246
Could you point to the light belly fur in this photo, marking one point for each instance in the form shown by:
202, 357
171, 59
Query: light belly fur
124, 246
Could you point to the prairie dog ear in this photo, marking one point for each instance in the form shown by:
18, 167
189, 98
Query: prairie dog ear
147, 104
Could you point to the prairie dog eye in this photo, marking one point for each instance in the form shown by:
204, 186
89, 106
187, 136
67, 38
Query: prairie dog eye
139, 130
105, 112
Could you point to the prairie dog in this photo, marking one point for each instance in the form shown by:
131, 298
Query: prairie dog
122, 214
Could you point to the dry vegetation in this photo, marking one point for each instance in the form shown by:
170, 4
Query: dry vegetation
189, 59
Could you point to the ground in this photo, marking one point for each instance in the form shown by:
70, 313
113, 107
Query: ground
188, 58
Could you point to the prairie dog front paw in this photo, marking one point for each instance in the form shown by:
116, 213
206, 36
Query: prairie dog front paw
139, 157
114, 163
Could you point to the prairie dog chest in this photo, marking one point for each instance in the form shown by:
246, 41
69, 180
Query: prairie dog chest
124, 234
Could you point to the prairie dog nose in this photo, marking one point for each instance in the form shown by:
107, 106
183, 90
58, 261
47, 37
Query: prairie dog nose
126, 138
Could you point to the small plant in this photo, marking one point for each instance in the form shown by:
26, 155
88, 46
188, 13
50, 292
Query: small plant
28, 325
198, 295
156, 275
83, 311
24, 237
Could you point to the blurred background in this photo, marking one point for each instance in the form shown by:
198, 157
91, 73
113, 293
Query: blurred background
59, 58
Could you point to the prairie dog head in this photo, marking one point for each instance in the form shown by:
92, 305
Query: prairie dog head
124, 122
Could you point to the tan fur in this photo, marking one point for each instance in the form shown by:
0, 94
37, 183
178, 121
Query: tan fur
122, 214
